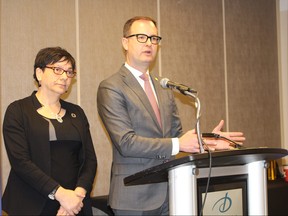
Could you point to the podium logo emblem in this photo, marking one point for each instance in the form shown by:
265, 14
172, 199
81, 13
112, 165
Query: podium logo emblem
223, 204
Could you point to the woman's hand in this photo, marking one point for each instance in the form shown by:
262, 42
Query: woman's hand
70, 201
62, 212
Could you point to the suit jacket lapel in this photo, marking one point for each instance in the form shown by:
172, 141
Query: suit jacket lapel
130, 81
159, 90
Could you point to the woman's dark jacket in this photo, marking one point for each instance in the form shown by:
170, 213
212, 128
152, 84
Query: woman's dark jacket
26, 138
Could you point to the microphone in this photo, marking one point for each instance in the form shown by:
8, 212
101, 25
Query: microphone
166, 83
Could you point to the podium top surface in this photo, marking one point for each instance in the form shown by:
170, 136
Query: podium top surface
235, 157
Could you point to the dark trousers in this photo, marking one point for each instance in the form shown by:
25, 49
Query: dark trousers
163, 210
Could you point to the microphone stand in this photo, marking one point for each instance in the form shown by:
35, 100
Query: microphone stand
199, 136
198, 114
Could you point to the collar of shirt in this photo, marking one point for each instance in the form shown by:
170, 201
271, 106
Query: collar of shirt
136, 73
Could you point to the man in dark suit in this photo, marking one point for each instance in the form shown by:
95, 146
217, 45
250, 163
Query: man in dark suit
141, 138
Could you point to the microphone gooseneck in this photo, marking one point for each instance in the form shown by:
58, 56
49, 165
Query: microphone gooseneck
166, 83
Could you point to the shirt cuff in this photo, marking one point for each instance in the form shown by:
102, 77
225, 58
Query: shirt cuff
175, 146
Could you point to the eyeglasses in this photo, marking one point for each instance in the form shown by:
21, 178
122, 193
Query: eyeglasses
60, 71
142, 38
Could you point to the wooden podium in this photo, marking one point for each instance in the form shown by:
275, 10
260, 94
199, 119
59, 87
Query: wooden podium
237, 177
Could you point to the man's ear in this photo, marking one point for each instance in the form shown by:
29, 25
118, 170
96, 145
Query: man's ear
125, 43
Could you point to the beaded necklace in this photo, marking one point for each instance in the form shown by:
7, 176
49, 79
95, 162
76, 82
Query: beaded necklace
56, 115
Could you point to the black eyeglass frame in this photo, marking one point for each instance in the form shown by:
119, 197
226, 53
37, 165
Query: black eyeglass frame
157, 38
68, 73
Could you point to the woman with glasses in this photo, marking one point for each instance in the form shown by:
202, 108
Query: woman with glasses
49, 145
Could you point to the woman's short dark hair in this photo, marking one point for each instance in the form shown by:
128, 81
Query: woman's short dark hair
51, 55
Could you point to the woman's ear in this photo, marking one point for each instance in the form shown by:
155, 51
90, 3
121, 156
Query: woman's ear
39, 74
